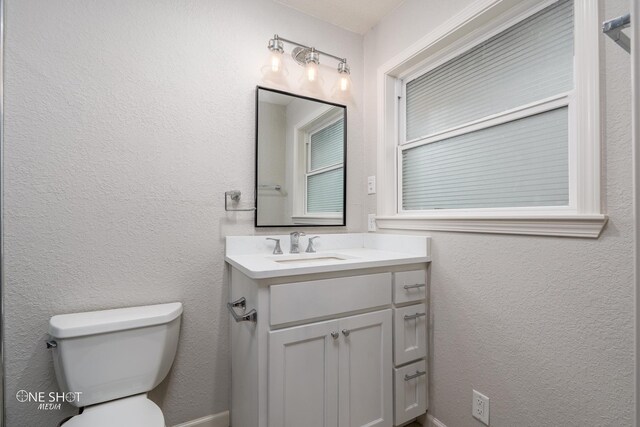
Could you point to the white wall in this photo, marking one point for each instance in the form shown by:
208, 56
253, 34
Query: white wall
125, 122
543, 326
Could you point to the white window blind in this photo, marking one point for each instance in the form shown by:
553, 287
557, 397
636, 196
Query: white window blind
325, 191
325, 170
514, 161
516, 164
327, 146
530, 61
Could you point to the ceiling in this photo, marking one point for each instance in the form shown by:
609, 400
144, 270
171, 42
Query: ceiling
358, 16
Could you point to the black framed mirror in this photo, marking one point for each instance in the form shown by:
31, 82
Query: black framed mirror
301, 161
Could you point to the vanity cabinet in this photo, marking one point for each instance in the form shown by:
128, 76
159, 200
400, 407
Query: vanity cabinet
341, 345
329, 350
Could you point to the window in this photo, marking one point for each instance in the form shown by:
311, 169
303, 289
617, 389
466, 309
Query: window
514, 161
494, 130
325, 168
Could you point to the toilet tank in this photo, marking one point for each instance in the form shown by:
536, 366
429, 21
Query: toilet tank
109, 354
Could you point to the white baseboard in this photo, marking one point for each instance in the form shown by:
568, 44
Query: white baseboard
434, 422
217, 420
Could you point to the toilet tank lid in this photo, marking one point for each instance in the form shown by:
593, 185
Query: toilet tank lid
119, 319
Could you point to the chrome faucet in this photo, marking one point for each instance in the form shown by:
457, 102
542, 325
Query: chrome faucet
295, 240
277, 250
310, 248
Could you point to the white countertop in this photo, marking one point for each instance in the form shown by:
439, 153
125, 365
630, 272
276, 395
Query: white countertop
253, 255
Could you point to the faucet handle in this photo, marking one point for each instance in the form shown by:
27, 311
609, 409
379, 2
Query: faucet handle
310, 248
277, 250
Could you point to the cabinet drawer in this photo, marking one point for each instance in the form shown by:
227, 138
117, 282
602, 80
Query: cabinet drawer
293, 302
409, 286
410, 333
410, 384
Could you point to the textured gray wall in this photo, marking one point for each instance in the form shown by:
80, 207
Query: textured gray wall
125, 123
543, 326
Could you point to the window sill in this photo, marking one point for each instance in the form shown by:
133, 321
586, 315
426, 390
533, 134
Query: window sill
589, 226
317, 219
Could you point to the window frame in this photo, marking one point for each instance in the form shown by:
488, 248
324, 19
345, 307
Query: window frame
474, 25
301, 155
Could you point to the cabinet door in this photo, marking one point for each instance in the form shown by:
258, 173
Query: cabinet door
365, 380
303, 376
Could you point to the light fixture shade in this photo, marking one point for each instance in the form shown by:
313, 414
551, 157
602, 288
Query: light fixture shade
274, 71
278, 78
342, 87
312, 87
342, 90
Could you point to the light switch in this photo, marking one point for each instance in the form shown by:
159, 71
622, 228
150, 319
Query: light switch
371, 185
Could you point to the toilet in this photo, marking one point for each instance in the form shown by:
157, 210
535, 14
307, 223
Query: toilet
110, 359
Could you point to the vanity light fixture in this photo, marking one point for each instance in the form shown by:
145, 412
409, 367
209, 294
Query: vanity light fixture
308, 57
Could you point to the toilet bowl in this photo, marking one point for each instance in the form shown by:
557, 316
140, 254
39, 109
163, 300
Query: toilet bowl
134, 411
111, 359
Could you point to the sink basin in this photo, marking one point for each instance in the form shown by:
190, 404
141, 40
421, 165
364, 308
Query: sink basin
309, 259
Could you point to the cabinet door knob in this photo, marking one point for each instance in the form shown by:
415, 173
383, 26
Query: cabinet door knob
346, 332
335, 335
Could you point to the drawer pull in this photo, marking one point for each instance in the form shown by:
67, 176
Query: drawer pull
335, 335
346, 332
250, 316
408, 377
413, 316
417, 285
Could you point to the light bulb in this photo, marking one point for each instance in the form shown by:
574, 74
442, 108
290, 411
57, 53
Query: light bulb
312, 71
312, 59
344, 82
275, 60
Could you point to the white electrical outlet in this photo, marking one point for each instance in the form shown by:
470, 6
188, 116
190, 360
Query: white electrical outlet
371, 185
480, 408
371, 222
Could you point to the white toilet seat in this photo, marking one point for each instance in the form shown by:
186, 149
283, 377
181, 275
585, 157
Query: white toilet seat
134, 411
